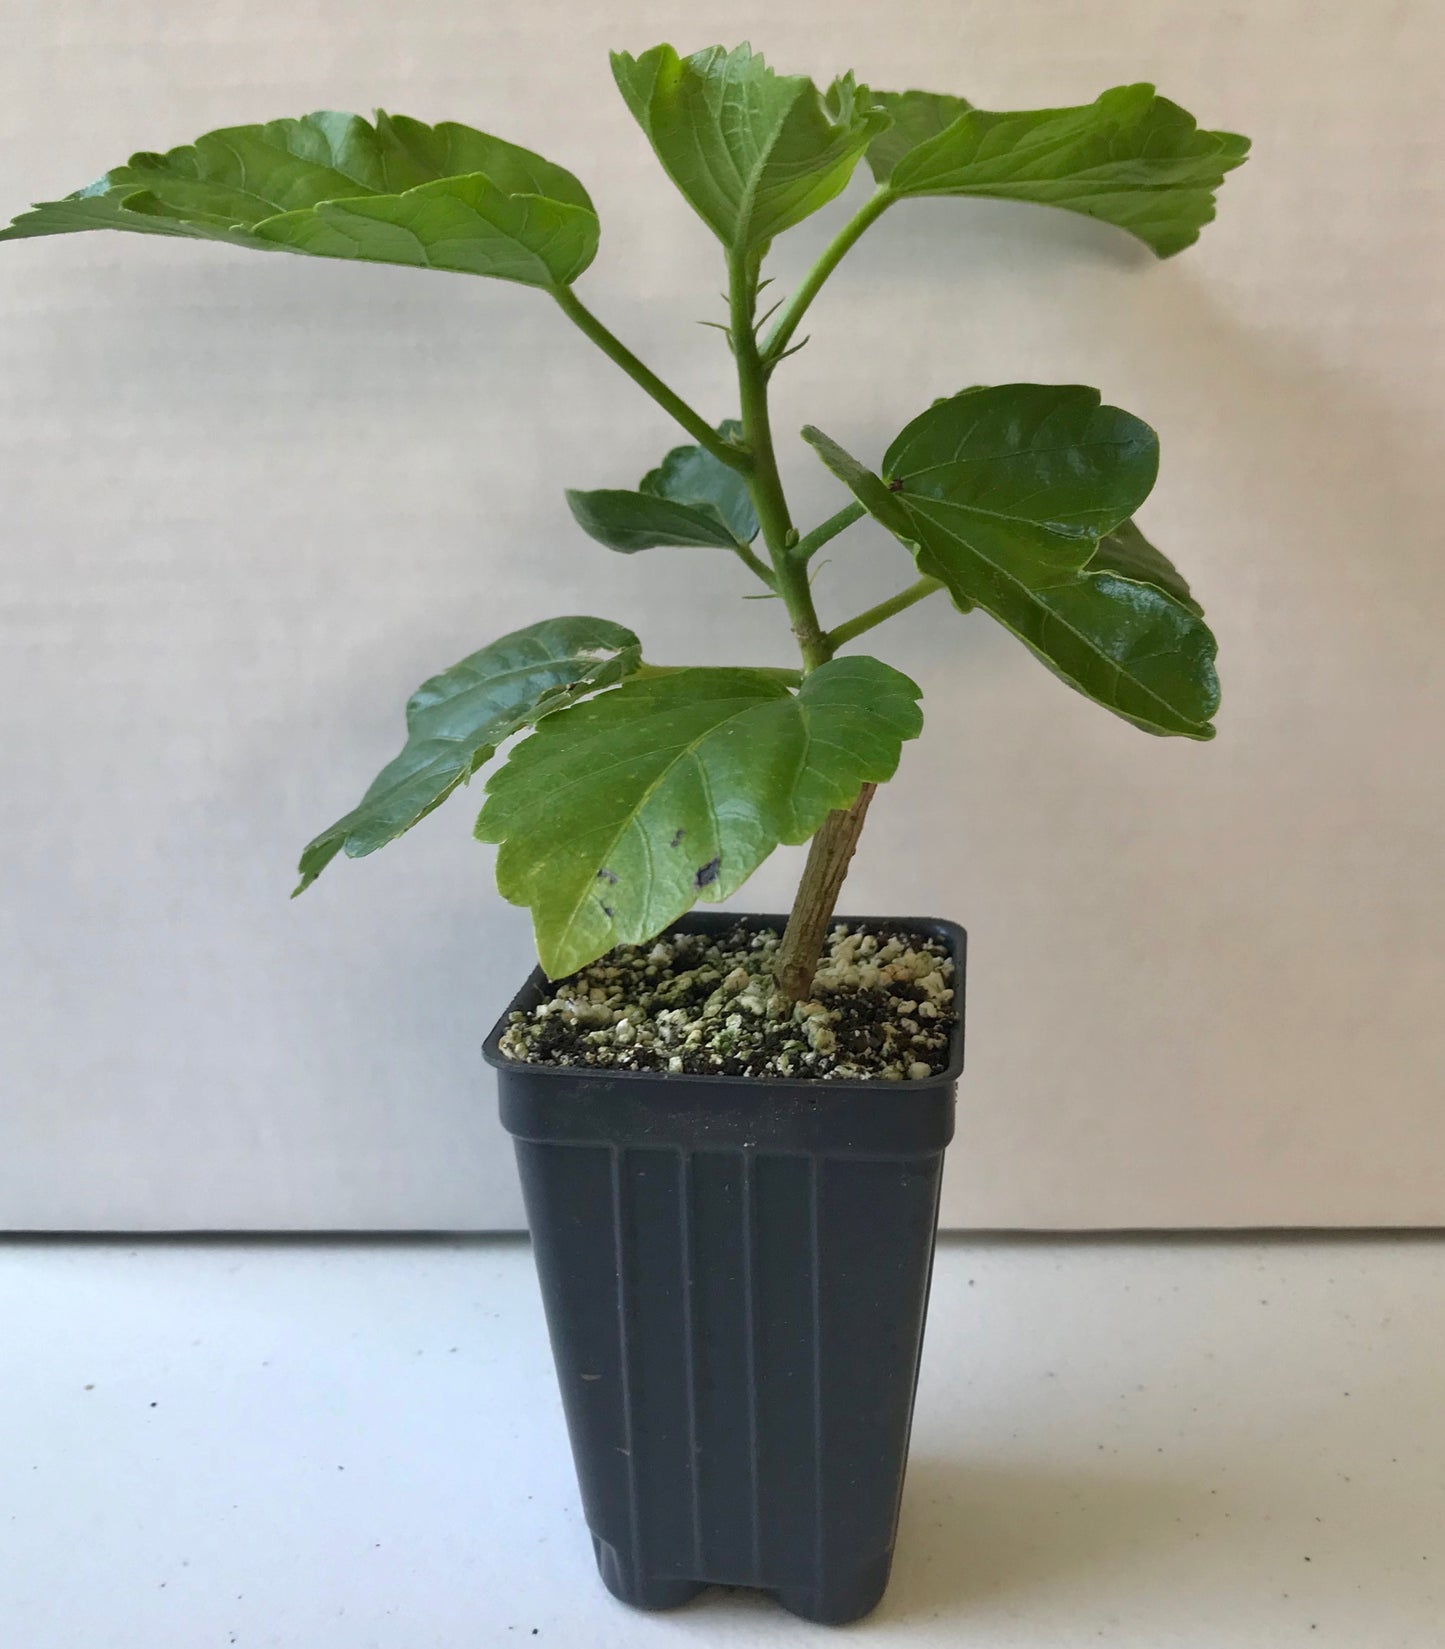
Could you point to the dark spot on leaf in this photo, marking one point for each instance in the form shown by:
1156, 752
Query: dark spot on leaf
895, 486
707, 874
606, 875
677, 836
606, 910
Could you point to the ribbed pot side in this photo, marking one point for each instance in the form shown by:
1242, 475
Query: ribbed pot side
735, 1274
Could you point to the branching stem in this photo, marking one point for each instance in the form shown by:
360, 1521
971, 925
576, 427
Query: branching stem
833, 844
764, 484
613, 347
833, 254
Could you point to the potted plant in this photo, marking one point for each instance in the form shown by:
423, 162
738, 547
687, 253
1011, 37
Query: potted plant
730, 1130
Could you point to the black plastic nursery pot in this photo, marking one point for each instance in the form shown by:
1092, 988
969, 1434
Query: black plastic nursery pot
735, 1273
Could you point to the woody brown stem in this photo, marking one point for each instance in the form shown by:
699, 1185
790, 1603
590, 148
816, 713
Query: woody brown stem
828, 859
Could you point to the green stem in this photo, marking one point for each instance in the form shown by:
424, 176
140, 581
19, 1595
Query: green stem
613, 347
653, 672
764, 484
755, 564
833, 254
845, 632
810, 543
802, 940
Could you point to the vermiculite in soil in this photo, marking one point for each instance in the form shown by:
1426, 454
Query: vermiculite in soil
882, 1006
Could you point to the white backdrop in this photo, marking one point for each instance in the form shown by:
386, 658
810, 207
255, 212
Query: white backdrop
251, 502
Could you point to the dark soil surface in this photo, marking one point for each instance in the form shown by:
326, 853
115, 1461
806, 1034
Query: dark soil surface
882, 1007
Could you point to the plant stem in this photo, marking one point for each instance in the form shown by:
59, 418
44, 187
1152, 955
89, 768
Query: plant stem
885, 609
833, 844
654, 672
764, 484
828, 859
613, 347
833, 254
752, 562
810, 543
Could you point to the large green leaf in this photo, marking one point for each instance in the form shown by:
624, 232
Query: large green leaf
691, 498
1016, 498
335, 186
455, 721
617, 815
753, 151
1131, 158
916, 118
1128, 553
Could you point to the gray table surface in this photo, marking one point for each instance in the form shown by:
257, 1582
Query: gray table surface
357, 1444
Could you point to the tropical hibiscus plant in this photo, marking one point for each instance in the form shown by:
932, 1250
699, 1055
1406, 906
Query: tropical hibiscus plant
639, 788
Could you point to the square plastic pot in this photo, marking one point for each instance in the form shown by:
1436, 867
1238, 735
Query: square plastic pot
735, 1273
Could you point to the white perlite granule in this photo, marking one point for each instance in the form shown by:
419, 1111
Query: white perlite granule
881, 1007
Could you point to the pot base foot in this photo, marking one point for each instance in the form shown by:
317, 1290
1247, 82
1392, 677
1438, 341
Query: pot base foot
839, 1603
832, 1605
641, 1591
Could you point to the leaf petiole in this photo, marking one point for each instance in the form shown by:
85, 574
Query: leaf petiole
755, 564
805, 548
872, 616
785, 678
613, 347
776, 345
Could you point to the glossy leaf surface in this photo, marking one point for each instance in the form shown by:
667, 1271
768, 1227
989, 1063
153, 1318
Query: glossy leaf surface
333, 185
456, 720
691, 498
1014, 497
1127, 552
1130, 158
754, 152
618, 815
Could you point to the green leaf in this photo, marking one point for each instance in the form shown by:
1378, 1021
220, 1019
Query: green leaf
691, 498
616, 816
917, 117
1130, 158
1128, 553
456, 720
1014, 498
754, 152
631, 521
691, 475
870, 491
335, 186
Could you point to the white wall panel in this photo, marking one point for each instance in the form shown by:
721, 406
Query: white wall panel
251, 502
